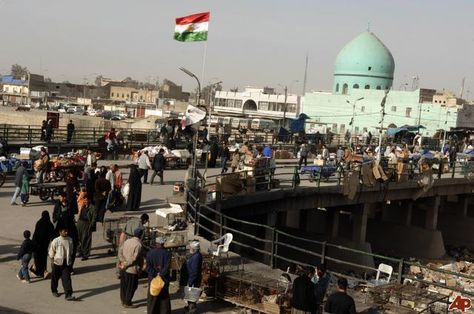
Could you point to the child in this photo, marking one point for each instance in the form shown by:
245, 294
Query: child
24, 256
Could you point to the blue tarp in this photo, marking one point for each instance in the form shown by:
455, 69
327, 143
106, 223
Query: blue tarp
9, 79
297, 125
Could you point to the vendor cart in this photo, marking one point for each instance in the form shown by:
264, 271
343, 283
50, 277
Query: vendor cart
317, 172
58, 168
113, 227
47, 190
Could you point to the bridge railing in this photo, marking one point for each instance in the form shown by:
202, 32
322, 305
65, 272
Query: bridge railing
284, 177
280, 248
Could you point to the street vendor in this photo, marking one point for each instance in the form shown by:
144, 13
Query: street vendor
41, 165
111, 139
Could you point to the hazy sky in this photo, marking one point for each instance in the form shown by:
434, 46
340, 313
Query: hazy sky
251, 42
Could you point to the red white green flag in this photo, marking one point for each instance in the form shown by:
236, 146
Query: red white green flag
192, 27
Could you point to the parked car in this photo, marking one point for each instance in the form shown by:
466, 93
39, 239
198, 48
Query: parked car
117, 118
91, 112
23, 108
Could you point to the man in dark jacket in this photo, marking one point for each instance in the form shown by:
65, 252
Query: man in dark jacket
320, 287
158, 263
70, 131
303, 293
339, 302
18, 180
225, 154
194, 269
158, 166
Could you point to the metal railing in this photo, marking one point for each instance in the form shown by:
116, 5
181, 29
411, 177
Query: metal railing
278, 247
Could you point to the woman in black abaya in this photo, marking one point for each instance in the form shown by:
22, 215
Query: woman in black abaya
44, 233
135, 192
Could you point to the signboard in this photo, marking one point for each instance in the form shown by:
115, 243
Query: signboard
54, 117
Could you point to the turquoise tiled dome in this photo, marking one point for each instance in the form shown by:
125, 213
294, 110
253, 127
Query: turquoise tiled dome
365, 62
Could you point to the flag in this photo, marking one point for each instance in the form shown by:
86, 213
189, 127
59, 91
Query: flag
192, 27
193, 115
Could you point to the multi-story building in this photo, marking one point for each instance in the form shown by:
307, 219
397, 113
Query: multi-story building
258, 103
170, 90
26, 90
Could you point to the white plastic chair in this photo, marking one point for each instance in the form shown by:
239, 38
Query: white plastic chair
385, 269
226, 239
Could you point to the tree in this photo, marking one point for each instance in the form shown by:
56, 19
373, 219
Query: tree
208, 91
18, 70
234, 90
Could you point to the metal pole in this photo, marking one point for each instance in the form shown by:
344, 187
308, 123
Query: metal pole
445, 127
285, 106
382, 113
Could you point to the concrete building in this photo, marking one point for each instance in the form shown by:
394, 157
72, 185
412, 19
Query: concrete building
170, 90
121, 92
256, 102
363, 71
27, 90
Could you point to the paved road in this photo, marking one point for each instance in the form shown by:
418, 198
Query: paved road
95, 283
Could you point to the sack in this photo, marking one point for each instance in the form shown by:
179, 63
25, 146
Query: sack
192, 294
126, 190
156, 285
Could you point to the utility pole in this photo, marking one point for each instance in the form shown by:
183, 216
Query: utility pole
305, 75
285, 106
382, 114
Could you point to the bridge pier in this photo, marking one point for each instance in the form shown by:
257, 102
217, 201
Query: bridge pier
432, 212
335, 223
359, 227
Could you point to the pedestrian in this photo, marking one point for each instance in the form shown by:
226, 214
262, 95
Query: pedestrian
340, 302
224, 154
158, 263
114, 199
214, 150
20, 171
303, 301
42, 236
194, 270
49, 131
321, 283
102, 190
85, 226
41, 165
90, 178
131, 261
131, 225
61, 253
70, 131
43, 130
267, 151
59, 211
90, 158
143, 166
159, 164
72, 185
24, 256
234, 165
25, 187
205, 134
111, 139
303, 155
135, 193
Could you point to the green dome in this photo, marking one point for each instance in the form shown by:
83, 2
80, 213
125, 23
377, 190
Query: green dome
365, 62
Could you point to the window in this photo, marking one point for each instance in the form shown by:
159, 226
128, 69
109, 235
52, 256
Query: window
342, 129
369, 68
238, 103
291, 108
344, 89
367, 86
356, 86
112, 94
263, 105
362, 109
123, 96
408, 112
230, 102
394, 108
128, 96
378, 87
436, 101
337, 87
334, 127
356, 129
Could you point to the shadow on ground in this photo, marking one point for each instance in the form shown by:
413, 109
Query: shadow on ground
5, 310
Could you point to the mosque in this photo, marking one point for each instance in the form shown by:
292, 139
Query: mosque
363, 73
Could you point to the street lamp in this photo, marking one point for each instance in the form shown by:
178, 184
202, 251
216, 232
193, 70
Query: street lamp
445, 128
353, 117
191, 74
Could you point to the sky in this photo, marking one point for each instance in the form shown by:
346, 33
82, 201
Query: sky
251, 42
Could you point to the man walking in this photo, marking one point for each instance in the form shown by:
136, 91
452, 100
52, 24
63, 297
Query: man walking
70, 131
158, 166
303, 156
225, 155
18, 182
339, 302
158, 263
303, 293
131, 261
60, 252
143, 166
85, 225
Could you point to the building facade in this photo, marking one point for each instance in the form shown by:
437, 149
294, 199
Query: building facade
256, 103
363, 72
27, 90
